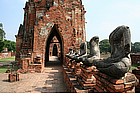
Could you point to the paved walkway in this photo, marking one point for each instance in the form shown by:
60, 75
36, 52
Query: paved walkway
50, 81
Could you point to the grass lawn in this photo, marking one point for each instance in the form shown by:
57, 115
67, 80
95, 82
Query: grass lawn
5, 62
7, 59
3, 69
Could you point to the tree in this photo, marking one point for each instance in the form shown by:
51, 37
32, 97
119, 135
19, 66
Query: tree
10, 45
2, 32
135, 47
1, 45
104, 46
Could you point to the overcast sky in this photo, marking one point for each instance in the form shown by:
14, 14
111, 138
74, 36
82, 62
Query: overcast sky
102, 17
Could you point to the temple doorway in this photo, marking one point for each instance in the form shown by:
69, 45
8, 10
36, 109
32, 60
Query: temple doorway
54, 46
55, 50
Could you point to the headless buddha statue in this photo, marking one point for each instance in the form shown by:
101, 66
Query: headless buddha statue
94, 52
119, 62
82, 52
69, 53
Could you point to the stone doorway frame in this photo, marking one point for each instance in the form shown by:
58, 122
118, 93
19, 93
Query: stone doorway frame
54, 32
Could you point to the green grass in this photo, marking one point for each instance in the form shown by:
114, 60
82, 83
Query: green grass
6, 61
3, 69
134, 66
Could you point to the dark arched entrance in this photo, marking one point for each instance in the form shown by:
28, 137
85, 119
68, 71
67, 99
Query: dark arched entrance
54, 33
55, 50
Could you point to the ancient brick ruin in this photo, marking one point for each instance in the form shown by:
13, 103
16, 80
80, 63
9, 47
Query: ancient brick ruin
82, 79
53, 28
49, 25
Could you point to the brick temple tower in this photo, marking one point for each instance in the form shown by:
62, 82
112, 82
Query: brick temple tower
47, 24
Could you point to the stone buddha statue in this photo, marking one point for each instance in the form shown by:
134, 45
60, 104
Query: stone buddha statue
83, 52
119, 62
72, 53
69, 53
94, 52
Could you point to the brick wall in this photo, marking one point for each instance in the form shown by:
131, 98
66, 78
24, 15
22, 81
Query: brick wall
68, 18
90, 80
7, 55
137, 73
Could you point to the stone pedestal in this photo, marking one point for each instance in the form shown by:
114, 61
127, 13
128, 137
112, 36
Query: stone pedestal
35, 68
71, 82
77, 68
105, 83
25, 62
67, 61
70, 64
86, 79
137, 73
93, 81
27, 66
13, 77
69, 79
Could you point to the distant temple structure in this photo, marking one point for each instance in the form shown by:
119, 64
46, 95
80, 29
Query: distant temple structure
50, 27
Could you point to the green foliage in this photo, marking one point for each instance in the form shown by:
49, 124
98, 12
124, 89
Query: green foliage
1, 45
6, 64
3, 60
104, 46
2, 32
135, 47
10, 45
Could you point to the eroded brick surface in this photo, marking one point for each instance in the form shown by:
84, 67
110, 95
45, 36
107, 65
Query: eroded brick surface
91, 80
44, 20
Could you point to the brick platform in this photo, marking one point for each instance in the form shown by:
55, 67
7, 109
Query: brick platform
105, 83
86, 79
137, 73
90, 80
77, 69
71, 82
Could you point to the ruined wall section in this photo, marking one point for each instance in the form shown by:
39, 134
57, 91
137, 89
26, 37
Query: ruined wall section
39, 18
27, 29
76, 15
55, 16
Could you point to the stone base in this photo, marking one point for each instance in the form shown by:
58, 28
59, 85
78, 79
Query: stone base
86, 78
93, 81
71, 82
35, 68
137, 73
77, 69
13, 77
105, 83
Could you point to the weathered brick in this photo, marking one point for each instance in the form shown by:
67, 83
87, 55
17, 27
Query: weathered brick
64, 20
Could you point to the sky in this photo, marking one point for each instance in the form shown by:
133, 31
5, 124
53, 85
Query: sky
102, 17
